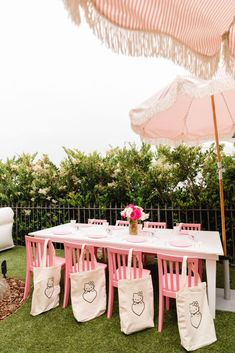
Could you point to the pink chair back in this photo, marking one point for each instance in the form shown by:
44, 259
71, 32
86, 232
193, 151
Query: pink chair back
118, 263
158, 225
118, 270
190, 226
169, 271
97, 221
120, 223
72, 257
34, 252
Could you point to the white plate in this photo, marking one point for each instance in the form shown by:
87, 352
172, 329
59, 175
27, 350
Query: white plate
180, 243
61, 231
97, 236
135, 239
84, 225
118, 228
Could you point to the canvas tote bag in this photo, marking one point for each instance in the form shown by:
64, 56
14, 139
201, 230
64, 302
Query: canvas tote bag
195, 323
135, 298
46, 281
88, 292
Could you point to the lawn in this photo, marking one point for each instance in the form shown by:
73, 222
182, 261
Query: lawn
57, 331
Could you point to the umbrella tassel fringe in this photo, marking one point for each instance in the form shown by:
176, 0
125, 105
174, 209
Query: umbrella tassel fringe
137, 43
229, 59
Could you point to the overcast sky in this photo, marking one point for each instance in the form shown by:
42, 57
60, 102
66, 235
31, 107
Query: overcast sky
59, 86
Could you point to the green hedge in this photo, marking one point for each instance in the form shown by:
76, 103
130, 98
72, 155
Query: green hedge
185, 176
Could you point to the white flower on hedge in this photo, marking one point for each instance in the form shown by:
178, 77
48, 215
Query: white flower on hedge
112, 184
14, 167
37, 168
27, 212
63, 172
43, 191
62, 187
154, 162
116, 172
75, 179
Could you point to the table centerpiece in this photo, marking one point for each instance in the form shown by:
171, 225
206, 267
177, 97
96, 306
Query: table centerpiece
134, 214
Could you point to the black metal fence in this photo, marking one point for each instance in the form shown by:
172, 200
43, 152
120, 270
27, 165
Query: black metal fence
34, 217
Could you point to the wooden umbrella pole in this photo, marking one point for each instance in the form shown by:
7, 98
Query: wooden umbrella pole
221, 187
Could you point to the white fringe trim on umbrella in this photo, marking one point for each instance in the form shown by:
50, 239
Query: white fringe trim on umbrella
138, 43
183, 139
180, 86
229, 60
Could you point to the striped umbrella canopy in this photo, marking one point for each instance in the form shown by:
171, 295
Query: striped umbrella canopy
193, 33
190, 111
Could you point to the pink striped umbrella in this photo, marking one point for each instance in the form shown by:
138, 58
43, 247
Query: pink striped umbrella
189, 32
185, 111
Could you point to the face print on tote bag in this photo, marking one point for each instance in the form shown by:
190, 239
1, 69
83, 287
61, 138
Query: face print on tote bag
50, 287
90, 292
138, 303
195, 314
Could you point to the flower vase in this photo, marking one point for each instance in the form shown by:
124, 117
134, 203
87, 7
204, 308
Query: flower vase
133, 227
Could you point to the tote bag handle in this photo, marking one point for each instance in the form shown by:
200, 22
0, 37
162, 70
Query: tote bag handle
183, 278
82, 256
128, 274
43, 258
129, 264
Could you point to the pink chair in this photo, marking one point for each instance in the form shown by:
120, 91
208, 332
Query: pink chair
120, 223
34, 253
169, 268
118, 261
72, 257
190, 226
157, 225
197, 227
99, 222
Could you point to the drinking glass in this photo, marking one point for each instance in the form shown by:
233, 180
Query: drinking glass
73, 225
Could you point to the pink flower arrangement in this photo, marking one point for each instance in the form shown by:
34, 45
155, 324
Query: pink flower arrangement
134, 213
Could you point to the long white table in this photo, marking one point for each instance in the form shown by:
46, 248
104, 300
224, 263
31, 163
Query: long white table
204, 245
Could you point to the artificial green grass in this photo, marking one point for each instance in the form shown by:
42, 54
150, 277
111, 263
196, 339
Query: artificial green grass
57, 330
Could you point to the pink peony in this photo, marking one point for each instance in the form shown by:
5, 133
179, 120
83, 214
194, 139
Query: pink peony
135, 214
